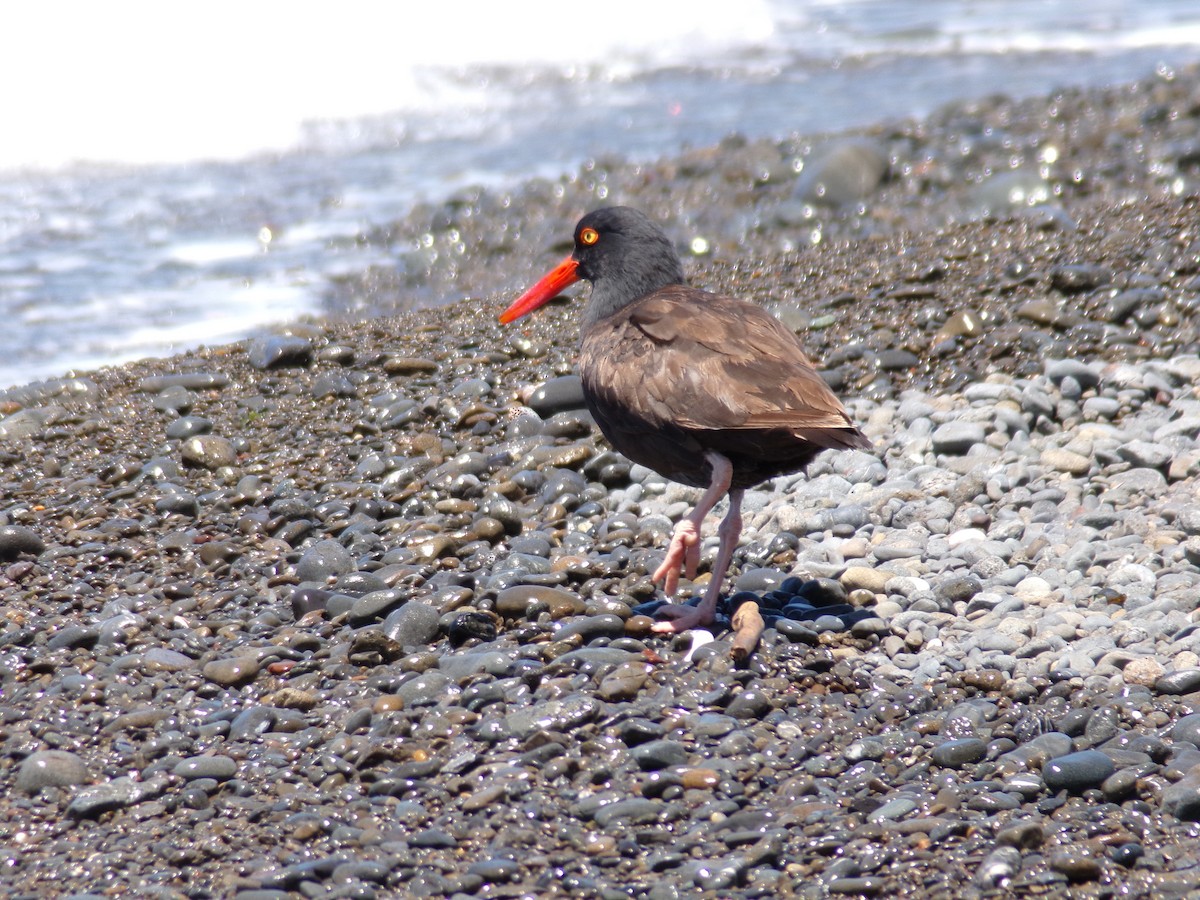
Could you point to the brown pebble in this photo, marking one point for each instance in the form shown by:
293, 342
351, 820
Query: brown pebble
408, 365
1076, 866
388, 703
600, 845
638, 626
293, 698
701, 779
1145, 671
985, 679
231, 671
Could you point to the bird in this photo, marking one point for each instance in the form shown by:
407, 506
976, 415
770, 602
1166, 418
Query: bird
707, 390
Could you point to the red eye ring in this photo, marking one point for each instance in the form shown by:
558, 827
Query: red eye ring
589, 236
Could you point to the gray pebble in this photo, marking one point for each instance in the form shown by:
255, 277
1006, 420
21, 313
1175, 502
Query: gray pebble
50, 768
324, 561
221, 768
1077, 771
957, 437
16, 540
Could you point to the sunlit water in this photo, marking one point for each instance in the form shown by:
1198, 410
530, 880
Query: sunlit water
179, 175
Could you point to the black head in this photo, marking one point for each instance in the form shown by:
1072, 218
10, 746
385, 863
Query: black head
625, 256
621, 252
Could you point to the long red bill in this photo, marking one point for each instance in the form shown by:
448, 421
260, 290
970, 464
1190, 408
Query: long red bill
551, 285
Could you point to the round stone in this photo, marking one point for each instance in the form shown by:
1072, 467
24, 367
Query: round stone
50, 768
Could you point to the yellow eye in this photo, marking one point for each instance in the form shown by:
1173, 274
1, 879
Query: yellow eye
589, 236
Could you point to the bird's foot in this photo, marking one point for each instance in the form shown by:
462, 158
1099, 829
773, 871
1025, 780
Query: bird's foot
683, 555
677, 618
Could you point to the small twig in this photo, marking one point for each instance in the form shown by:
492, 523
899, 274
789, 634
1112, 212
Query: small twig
748, 627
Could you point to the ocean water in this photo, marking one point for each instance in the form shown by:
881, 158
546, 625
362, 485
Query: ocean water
179, 174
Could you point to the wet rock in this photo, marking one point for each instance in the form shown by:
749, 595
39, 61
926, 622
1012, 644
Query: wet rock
557, 395
841, 172
278, 351
1077, 771
50, 768
16, 540
957, 437
208, 451
323, 562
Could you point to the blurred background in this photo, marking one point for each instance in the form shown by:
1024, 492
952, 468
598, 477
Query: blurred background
182, 174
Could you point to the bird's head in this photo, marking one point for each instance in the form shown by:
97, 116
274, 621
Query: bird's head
620, 251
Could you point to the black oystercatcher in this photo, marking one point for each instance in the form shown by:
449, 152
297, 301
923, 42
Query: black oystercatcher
707, 390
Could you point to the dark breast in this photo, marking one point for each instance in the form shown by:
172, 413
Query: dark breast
682, 371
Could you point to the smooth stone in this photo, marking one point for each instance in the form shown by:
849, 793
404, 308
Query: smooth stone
433, 839
188, 426
29, 423
843, 171
893, 810
1077, 865
332, 384
74, 636
324, 561
427, 689
307, 599
195, 381
163, 659
251, 722
1066, 461
960, 752
50, 768
1187, 728
589, 628
1004, 191
661, 754
557, 395
1146, 671
413, 625
749, 704
522, 600
1087, 376
631, 811
180, 503
220, 768
279, 350
177, 400
208, 451
231, 671
409, 365
1145, 454
1182, 799
116, 794
1074, 278
18, 539
552, 715
866, 578
375, 605
1184, 681
624, 682
1077, 771
956, 438
495, 870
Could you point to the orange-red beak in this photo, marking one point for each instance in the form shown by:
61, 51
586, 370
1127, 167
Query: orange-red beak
551, 285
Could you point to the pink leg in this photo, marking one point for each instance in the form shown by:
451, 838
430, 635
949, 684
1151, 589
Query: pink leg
684, 551
682, 618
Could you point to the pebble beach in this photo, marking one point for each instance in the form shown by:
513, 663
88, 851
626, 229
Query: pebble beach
362, 608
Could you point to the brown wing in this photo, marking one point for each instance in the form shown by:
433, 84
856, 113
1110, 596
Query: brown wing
711, 372
726, 363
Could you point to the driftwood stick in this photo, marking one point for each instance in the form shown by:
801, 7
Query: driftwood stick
748, 627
